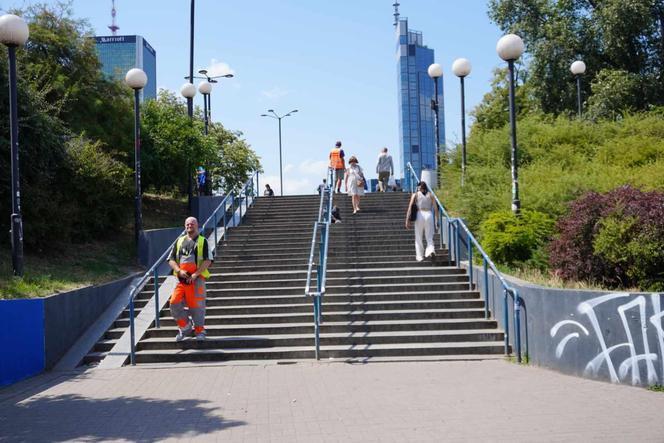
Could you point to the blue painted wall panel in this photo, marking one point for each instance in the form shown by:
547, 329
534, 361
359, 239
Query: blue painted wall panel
22, 352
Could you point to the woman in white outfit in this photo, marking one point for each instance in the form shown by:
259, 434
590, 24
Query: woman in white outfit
354, 175
425, 224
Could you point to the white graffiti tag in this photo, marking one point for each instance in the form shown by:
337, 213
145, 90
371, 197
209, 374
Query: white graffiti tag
630, 365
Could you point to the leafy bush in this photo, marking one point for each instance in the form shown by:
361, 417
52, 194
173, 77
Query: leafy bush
517, 240
616, 239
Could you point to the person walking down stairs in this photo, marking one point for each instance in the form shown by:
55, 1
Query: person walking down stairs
190, 258
355, 182
337, 163
424, 204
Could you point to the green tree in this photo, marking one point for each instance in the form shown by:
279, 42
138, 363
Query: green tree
619, 35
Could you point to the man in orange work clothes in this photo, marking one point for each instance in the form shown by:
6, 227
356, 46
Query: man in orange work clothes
190, 259
337, 163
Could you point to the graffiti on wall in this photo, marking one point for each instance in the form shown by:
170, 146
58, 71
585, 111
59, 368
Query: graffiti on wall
645, 362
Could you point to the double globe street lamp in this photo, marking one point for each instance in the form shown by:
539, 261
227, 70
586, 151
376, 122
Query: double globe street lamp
509, 48
578, 68
14, 32
137, 79
461, 68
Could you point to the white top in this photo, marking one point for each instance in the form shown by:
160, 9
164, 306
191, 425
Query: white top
423, 202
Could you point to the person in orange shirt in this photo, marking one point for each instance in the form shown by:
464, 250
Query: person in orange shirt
190, 258
337, 163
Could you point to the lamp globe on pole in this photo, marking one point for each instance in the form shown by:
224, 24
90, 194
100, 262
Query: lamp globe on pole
205, 87
578, 68
14, 32
435, 71
509, 48
188, 90
461, 68
137, 79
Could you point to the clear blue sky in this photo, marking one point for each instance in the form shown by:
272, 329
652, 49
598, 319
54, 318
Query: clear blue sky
333, 60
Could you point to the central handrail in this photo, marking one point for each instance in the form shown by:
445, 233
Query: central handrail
247, 191
323, 224
454, 227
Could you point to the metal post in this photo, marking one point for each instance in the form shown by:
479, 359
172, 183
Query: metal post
436, 124
281, 176
516, 203
16, 218
486, 289
190, 101
463, 132
506, 324
132, 333
578, 95
138, 216
316, 328
440, 228
457, 251
216, 240
517, 325
155, 277
205, 111
470, 259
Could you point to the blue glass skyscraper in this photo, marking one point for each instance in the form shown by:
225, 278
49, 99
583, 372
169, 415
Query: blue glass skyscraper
120, 53
417, 139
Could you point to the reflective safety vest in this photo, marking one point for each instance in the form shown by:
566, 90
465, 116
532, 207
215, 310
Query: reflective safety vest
200, 245
336, 161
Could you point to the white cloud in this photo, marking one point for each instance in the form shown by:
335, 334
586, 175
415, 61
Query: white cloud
217, 68
313, 167
289, 168
302, 178
275, 93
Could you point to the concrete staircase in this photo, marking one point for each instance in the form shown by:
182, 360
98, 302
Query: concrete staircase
380, 302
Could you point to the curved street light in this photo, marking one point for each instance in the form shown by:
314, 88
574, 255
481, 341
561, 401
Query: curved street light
509, 48
578, 68
14, 32
435, 71
461, 68
137, 79
278, 117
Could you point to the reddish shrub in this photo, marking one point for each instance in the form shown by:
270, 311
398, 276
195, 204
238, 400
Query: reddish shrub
616, 239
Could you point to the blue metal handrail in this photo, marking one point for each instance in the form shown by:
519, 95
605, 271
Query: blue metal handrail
248, 191
454, 227
323, 224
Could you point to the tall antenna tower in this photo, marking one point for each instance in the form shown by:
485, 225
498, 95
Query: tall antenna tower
396, 13
114, 26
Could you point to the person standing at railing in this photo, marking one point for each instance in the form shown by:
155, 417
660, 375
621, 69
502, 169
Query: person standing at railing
190, 258
337, 164
355, 182
425, 222
268, 192
384, 169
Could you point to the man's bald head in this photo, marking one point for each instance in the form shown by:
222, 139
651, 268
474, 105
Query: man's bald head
191, 226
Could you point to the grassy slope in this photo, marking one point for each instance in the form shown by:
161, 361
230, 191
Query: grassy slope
79, 265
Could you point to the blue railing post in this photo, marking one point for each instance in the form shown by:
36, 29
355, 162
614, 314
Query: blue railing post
258, 188
517, 325
155, 277
486, 289
132, 333
457, 251
216, 238
317, 326
506, 319
470, 260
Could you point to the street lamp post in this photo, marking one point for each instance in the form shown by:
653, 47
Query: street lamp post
461, 68
509, 48
190, 100
578, 68
137, 79
435, 71
209, 79
205, 87
13, 33
274, 115
188, 91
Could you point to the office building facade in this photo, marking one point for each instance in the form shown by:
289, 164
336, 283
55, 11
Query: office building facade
120, 53
417, 140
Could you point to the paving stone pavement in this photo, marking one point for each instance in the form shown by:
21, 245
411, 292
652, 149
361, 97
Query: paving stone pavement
490, 400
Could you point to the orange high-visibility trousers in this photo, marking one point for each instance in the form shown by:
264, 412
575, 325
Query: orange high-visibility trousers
193, 297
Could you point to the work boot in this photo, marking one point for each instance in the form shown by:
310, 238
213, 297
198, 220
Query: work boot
184, 333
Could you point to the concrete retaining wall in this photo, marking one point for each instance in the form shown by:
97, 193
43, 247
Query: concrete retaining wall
611, 336
40, 331
153, 243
